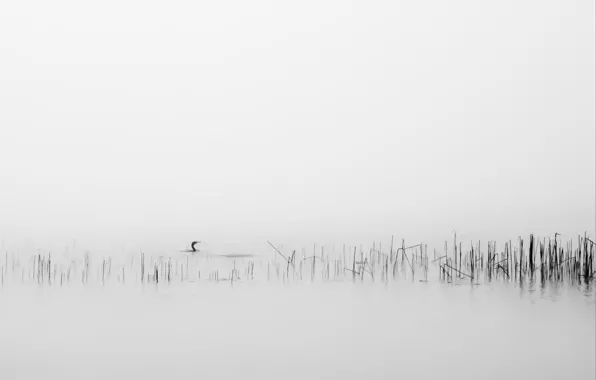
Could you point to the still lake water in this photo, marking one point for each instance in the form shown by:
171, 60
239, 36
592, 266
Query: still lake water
205, 330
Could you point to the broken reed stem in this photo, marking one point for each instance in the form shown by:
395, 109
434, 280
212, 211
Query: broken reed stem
465, 274
282, 255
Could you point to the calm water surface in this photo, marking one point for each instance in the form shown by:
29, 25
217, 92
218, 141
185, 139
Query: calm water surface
298, 331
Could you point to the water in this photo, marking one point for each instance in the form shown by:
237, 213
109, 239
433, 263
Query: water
298, 330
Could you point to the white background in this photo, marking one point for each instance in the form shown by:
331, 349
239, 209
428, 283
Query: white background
152, 123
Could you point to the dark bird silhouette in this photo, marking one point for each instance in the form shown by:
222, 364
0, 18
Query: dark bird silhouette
192, 247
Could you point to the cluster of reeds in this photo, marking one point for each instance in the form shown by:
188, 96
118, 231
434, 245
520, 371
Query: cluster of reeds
545, 260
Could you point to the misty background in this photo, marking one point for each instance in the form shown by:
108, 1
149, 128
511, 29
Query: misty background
129, 125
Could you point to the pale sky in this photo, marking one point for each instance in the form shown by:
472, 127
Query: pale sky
143, 124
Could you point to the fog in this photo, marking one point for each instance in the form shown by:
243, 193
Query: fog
126, 125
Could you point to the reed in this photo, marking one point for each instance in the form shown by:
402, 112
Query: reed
547, 260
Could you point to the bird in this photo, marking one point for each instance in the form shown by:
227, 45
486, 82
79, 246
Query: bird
192, 247
209, 252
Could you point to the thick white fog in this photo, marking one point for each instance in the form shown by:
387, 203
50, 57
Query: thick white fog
134, 124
